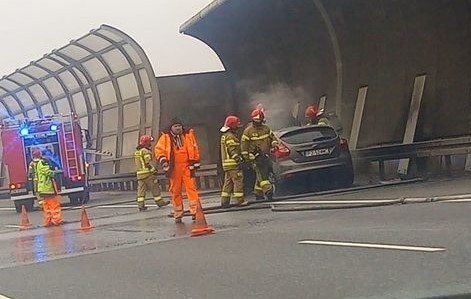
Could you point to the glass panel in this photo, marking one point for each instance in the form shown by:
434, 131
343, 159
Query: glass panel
106, 168
21, 78
129, 143
49, 64
149, 116
84, 122
75, 52
38, 93
145, 80
94, 128
12, 104
133, 54
110, 120
94, 42
110, 35
131, 113
47, 109
128, 86
55, 89
95, 69
116, 60
127, 166
80, 75
109, 144
69, 80
79, 103
3, 111
33, 114
106, 93
92, 99
34, 71
63, 105
2, 91
10, 86
25, 99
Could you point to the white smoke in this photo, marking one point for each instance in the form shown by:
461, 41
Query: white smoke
281, 102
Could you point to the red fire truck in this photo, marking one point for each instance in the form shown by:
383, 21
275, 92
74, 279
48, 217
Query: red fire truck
59, 137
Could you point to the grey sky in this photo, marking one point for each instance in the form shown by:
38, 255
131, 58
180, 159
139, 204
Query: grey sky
31, 28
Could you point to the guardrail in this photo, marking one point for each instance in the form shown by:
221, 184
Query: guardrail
438, 147
206, 178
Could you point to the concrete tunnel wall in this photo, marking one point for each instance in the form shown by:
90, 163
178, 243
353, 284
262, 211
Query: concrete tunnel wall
279, 52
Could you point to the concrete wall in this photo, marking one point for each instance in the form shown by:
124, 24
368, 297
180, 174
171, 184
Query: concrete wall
281, 52
201, 101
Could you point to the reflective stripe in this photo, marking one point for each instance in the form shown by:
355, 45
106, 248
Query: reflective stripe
238, 194
229, 162
274, 142
141, 199
143, 171
245, 138
225, 194
264, 136
232, 142
235, 155
251, 156
245, 153
264, 183
258, 188
159, 198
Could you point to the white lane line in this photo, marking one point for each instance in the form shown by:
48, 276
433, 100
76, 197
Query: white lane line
371, 245
366, 201
4, 297
12, 226
121, 206
456, 200
7, 209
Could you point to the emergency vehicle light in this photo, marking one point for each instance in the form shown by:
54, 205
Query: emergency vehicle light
24, 131
53, 127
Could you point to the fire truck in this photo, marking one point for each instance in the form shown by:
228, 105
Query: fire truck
60, 140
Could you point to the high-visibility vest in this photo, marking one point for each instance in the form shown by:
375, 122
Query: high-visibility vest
163, 149
142, 158
45, 177
257, 138
230, 150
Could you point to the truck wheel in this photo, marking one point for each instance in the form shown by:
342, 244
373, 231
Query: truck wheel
28, 203
79, 198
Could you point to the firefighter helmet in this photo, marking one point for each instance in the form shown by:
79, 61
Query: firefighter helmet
257, 115
36, 153
311, 111
232, 122
145, 140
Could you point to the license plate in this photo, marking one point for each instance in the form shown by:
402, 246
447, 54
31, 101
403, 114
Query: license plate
318, 152
16, 191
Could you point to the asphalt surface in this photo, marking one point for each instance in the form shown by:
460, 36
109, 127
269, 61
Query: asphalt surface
254, 254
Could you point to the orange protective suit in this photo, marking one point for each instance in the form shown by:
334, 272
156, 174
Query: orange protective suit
182, 160
52, 210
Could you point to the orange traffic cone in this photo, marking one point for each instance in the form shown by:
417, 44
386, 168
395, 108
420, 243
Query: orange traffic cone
85, 223
25, 224
200, 227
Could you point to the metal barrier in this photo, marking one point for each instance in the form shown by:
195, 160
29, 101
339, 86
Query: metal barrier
439, 147
206, 179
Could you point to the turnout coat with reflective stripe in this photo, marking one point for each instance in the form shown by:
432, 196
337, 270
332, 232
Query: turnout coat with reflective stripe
257, 138
230, 151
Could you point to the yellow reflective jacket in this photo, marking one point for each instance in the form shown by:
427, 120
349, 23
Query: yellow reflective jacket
230, 151
255, 139
45, 176
142, 158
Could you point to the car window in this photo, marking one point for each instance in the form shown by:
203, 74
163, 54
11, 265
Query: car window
307, 135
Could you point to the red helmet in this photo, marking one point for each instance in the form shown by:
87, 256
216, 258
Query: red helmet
257, 115
145, 140
312, 111
36, 153
232, 122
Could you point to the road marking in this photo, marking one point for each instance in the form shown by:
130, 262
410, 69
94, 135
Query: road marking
122, 206
12, 226
4, 297
371, 245
363, 201
456, 200
7, 209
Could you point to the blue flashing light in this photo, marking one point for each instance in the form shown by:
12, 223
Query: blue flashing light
24, 131
53, 127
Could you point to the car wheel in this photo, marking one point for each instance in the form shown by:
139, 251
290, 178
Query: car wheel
346, 177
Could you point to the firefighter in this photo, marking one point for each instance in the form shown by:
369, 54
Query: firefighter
47, 190
146, 174
232, 163
178, 153
315, 116
32, 175
256, 144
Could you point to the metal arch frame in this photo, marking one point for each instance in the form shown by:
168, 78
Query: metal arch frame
40, 82
150, 74
4, 104
140, 87
33, 98
15, 97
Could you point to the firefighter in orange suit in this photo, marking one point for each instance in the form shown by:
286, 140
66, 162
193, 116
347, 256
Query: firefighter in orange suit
146, 174
178, 153
47, 191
